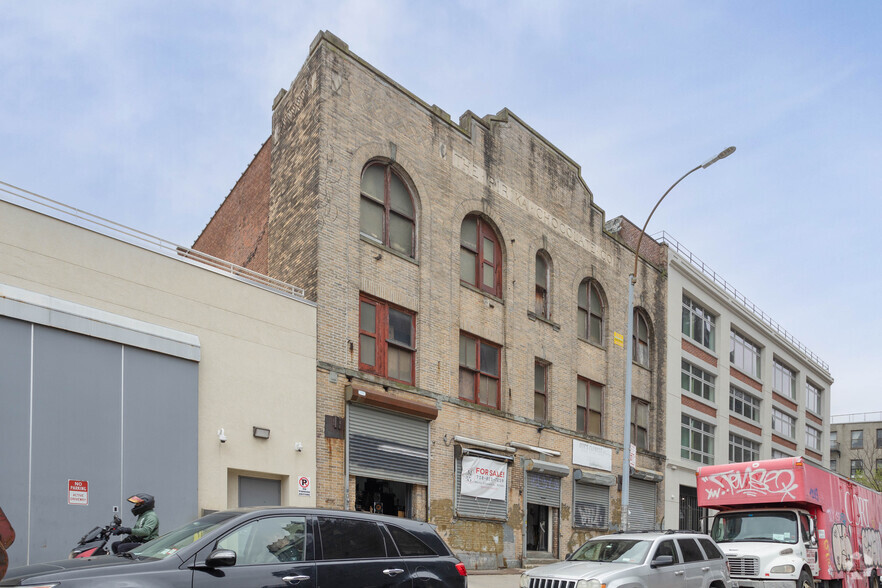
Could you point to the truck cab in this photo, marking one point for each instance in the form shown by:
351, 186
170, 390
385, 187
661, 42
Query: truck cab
770, 547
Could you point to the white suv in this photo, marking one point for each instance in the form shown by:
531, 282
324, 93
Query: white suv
657, 559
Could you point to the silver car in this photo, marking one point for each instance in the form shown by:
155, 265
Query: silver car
658, 560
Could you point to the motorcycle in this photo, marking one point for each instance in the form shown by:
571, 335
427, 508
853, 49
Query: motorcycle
95, 541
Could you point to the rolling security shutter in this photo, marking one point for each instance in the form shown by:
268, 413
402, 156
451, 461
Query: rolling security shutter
474, 506
543, 489
388, 446
591, 506
641, 503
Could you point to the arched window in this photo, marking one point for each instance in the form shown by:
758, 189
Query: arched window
591, 312
640, 338
387, 210
480, 259
543, 285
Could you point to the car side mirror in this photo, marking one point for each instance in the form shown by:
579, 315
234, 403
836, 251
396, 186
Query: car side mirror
662, 560
567, 558
221, 558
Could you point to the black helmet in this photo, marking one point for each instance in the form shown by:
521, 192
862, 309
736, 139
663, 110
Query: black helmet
143, 502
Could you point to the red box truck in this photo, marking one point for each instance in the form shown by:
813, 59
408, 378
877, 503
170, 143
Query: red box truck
785, 523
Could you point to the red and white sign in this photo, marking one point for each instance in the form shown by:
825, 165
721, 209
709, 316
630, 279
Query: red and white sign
78, 492
303, 486
484, 478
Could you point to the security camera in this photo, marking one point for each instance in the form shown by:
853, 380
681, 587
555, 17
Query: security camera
221, 436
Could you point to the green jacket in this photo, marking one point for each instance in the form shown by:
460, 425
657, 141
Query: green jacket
147, 526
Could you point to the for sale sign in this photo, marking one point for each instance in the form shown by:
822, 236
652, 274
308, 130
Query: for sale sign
484, 478
78, 492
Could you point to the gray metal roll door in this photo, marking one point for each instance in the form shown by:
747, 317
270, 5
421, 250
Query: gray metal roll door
543, 489
388, 446
591, 506
473, 506
641, 502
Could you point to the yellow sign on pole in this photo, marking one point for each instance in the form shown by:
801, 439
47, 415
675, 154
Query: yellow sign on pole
619, 339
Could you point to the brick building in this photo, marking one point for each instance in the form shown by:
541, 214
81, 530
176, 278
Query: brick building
470, 312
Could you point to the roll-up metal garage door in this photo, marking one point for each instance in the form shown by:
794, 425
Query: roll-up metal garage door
388, 446
474, 506
641, 503
591, 506
543, 489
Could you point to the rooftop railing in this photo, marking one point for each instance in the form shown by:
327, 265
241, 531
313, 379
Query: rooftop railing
856, 417
141, 239
717, 279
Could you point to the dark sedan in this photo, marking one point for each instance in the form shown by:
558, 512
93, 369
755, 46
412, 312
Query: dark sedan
271, 547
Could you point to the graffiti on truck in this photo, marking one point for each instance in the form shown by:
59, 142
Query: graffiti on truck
841, 547
871, 547
753, 481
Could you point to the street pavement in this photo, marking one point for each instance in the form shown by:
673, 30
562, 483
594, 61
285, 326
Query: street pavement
500, 579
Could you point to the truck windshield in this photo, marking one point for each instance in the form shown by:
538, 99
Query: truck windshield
776, 527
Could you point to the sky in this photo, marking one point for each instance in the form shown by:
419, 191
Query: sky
147, 112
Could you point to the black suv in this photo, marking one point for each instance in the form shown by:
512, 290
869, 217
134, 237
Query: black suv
268, 547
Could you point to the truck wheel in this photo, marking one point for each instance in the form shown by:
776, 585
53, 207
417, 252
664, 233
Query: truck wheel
805, 580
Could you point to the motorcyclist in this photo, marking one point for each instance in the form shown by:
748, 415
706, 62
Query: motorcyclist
146, 527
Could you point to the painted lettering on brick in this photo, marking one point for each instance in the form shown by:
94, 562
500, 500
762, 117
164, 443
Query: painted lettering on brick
502, 189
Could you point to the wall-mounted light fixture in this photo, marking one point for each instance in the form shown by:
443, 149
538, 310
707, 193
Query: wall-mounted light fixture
221, 436
261, 433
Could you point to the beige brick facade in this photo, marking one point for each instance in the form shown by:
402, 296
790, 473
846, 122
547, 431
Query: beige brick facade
340, 114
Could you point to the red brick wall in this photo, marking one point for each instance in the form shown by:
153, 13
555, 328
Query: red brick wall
699, 406
698, 352
746, 426
746, 379
785, 401
237, 231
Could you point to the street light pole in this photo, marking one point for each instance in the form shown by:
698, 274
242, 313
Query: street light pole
629, 357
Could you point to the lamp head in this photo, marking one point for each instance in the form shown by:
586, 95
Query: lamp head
722, 155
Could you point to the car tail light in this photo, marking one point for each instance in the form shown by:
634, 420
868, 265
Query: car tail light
460, 567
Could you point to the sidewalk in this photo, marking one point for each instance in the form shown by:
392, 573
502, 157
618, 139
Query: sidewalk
505, 578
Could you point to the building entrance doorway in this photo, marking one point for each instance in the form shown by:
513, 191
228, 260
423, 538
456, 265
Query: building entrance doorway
383, 496
538, 527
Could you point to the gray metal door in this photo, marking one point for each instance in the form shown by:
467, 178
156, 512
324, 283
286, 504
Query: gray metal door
388, 446
259, 492
543, 489
641, 502
591, 506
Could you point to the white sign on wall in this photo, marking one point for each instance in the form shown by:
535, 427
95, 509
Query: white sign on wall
592, 456
78, 492
484, 478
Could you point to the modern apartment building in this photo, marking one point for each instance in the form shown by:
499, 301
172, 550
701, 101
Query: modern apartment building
739, 387
856, 447
471, 311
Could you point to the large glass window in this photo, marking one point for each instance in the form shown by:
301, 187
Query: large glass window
386, 341
591, 312
783, 380
698, 323
543, 285
478, 370
812, 398
641, 338
742, 449
480, 258
783, 424
387, 210
540, 391
697, 381
589, 407
813, 438
857, 439
640, 423
744, 404
696, 440
745, 355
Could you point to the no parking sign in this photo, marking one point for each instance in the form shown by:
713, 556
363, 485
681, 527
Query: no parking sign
303, 486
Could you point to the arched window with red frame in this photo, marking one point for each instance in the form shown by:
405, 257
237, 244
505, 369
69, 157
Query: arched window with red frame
480, 257
387, 209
